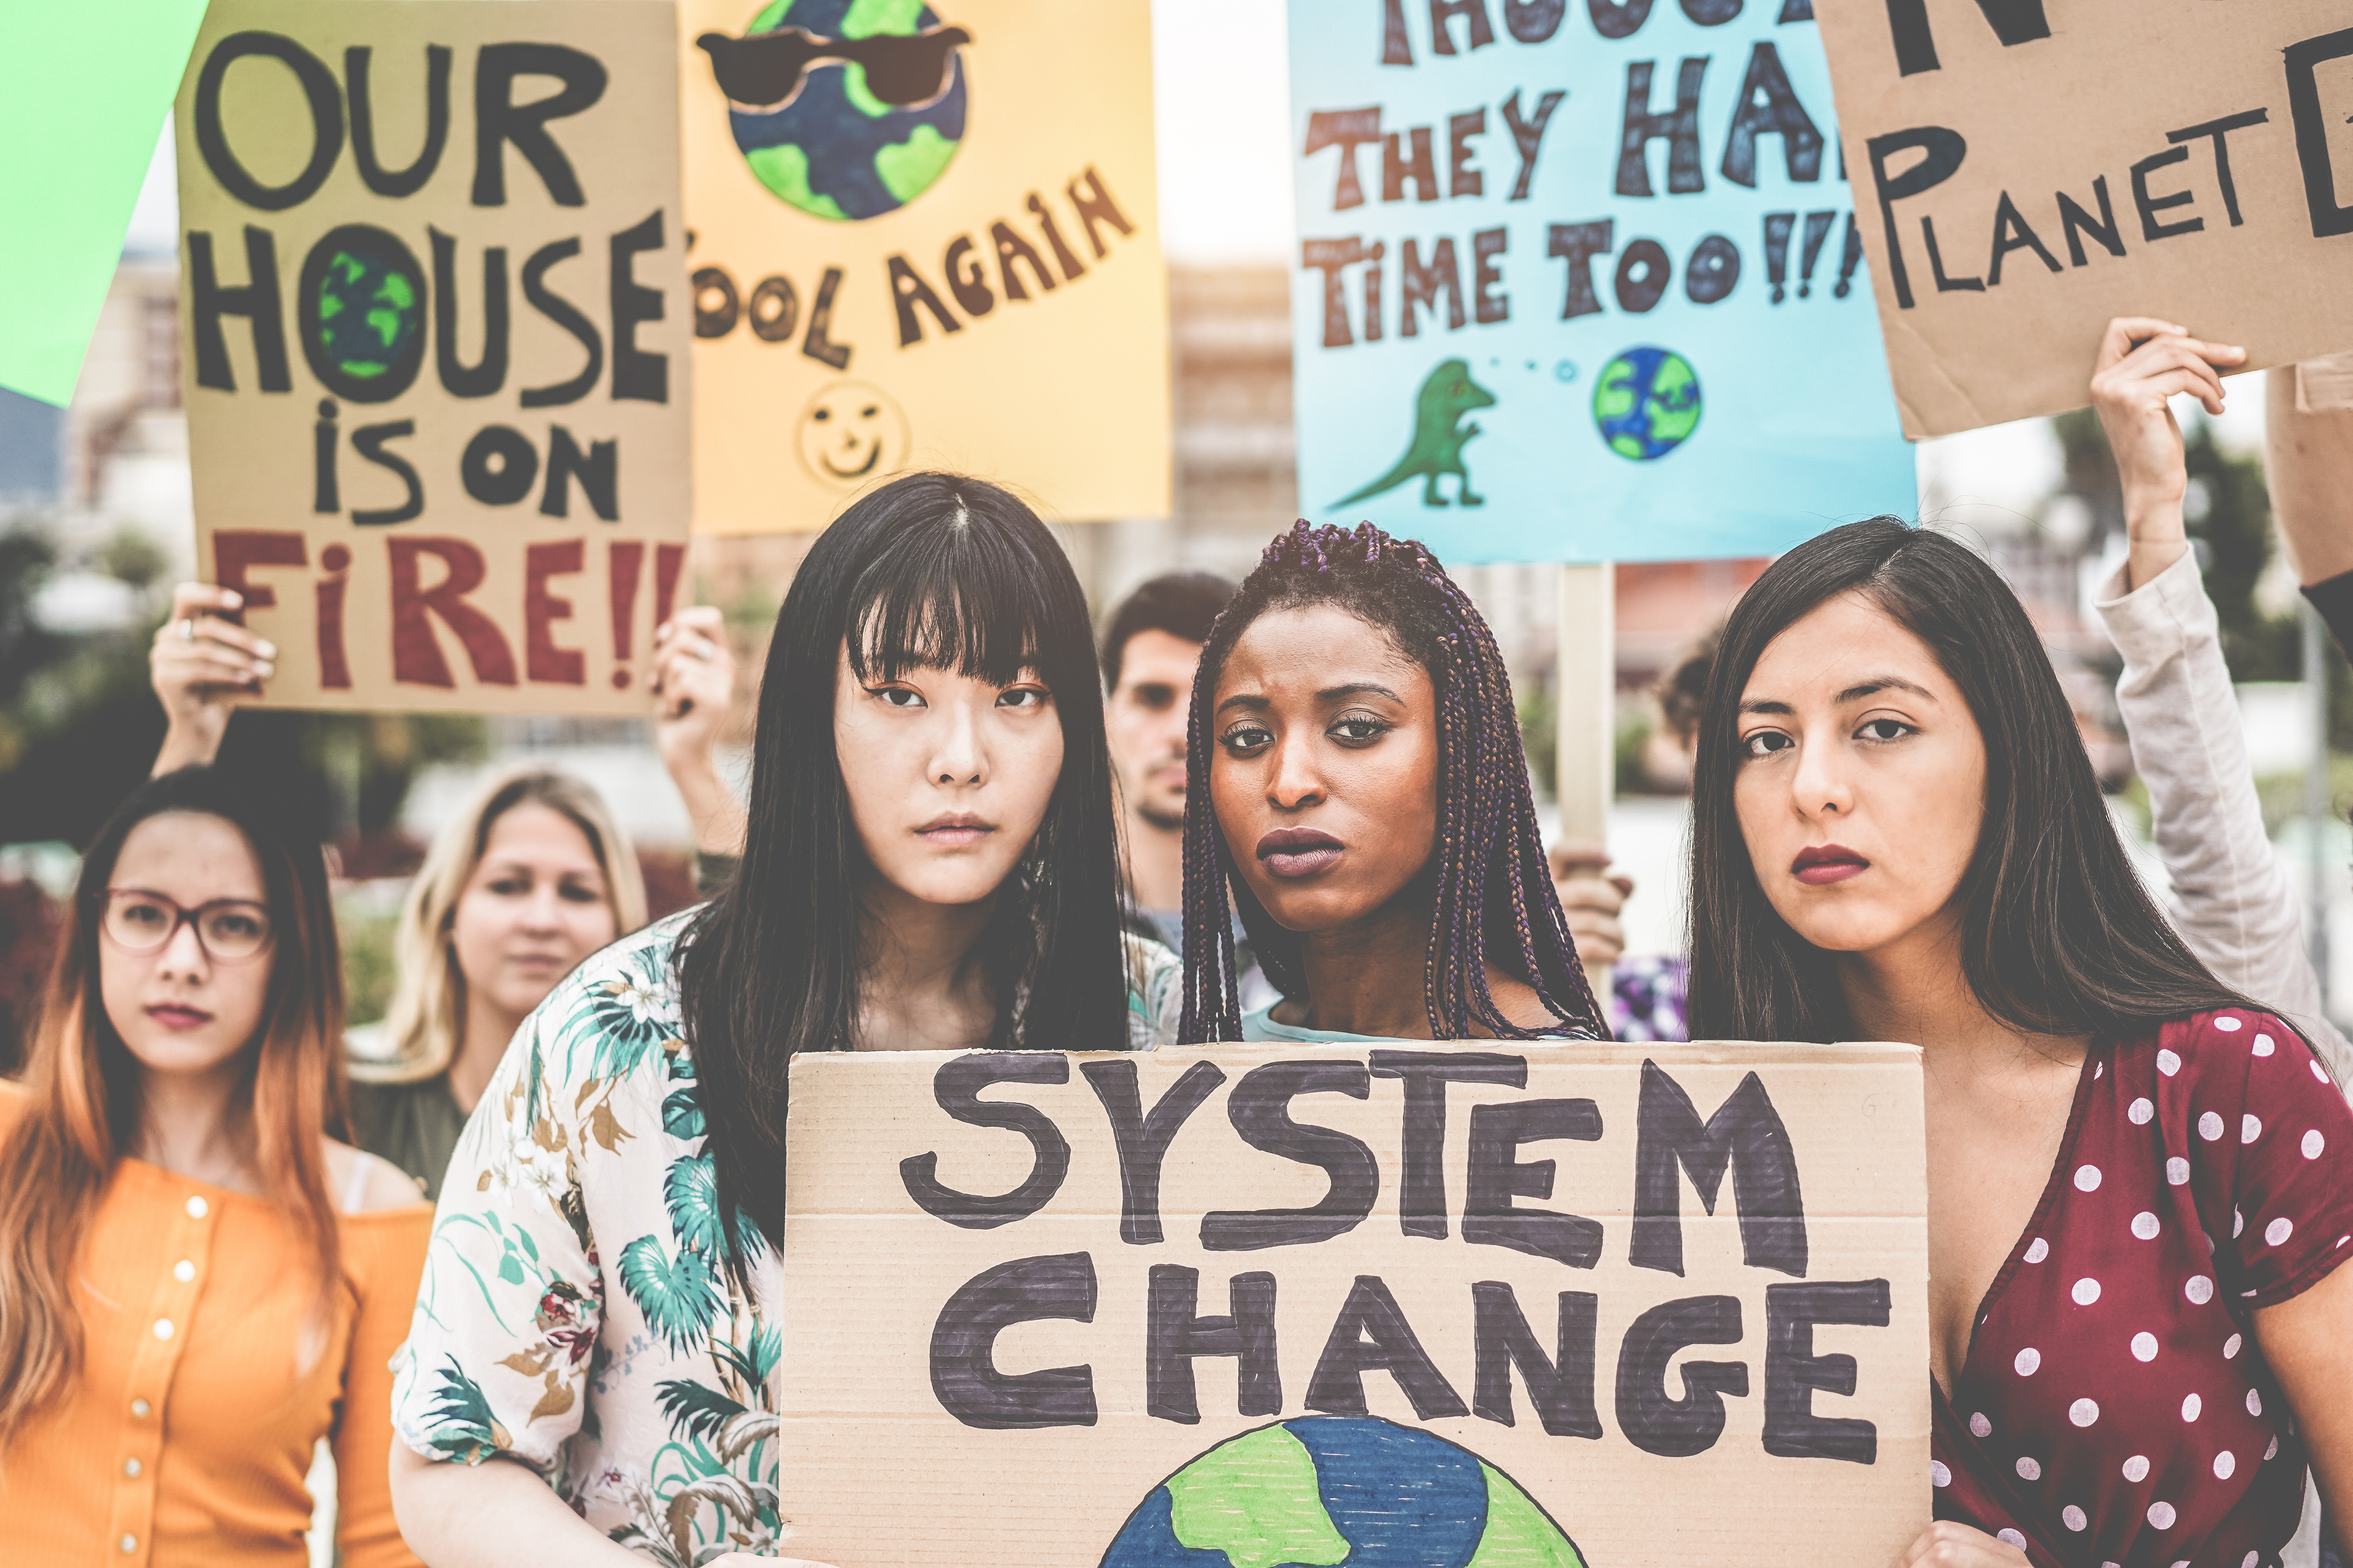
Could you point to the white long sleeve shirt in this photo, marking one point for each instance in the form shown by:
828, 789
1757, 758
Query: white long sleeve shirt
2231, 901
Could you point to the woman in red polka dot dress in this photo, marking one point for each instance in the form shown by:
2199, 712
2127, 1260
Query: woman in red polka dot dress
2141, 1185
2116, 1403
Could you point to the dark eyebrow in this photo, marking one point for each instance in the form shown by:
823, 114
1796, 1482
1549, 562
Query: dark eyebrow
1356, 688
1249, 699
1854, 693
1882, 684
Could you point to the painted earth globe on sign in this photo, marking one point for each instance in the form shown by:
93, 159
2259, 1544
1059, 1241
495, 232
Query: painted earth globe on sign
1332, 1490
846, 109
369, 317
1646, 403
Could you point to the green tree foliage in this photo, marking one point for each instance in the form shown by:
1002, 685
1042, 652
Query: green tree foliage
2228, 513
79, 724
2229, 508
1540, 737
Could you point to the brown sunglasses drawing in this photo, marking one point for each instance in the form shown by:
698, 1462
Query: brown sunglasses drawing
766, 70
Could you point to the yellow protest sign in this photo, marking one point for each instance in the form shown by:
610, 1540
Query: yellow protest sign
1549, 1304
435, 322
923, 236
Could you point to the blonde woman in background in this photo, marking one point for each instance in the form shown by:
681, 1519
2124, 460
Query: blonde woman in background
533, 877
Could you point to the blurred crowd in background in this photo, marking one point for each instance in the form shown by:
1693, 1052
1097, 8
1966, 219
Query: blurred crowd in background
95, 529
96, 526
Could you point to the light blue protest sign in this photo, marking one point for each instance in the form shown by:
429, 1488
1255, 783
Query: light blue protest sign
1580, 280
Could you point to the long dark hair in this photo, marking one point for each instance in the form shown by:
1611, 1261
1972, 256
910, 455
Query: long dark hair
2057, 935
930, 571
82, 1104
1494, 898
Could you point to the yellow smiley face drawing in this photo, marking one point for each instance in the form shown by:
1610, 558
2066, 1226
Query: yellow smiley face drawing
850, 432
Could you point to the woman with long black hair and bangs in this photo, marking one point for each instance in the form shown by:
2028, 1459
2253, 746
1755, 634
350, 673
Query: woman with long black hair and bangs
931, 865
1367, 812
2139, 1181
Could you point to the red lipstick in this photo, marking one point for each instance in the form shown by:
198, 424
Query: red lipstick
1820, 864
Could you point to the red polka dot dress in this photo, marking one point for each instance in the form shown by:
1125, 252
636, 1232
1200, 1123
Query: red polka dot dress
2115, 1411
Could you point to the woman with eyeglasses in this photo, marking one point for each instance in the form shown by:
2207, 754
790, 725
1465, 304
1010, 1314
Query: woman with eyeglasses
532, 876
197, 1279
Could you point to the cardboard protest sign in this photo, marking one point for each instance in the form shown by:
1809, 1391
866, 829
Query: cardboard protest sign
83, 90
1584, 1305
2029, 170
435, 323
2324, 386
925, 236
1580, 282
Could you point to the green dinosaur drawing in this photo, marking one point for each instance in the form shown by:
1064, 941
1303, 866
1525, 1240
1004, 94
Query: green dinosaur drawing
1438, 432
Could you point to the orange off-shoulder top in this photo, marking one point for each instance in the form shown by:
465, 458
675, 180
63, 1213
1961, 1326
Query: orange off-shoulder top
186, 1439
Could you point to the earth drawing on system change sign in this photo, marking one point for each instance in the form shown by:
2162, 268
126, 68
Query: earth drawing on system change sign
846, 109
1332, 1490
1646, 402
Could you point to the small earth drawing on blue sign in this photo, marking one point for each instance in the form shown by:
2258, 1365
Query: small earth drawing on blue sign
1330, 1490
835, 149
1646, 403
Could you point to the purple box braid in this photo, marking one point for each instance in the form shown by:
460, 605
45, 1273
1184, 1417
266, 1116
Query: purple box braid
1493, 887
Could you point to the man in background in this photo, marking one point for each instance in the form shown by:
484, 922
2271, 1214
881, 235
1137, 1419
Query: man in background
1151, 646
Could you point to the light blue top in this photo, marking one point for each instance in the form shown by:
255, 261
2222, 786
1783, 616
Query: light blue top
1262, 1025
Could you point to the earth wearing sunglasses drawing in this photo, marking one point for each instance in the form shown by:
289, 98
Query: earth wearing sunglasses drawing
845, 109
1332, 1490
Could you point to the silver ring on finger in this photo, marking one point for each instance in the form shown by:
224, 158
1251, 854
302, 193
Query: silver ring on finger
703, 651
188, 630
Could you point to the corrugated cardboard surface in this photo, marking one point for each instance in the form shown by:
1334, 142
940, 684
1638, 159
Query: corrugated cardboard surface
874, 1471
2326, 385
2111, 86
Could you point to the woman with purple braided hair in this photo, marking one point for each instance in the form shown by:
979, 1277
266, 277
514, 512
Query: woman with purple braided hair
1366, 808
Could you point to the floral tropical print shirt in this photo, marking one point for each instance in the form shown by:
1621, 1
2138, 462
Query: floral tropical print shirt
576, 1314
